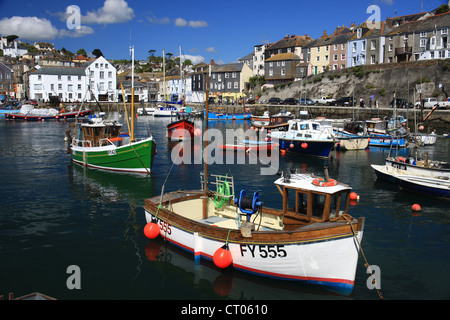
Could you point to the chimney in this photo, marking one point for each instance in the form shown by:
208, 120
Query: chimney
324, 33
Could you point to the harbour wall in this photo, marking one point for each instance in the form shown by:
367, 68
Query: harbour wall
439, 119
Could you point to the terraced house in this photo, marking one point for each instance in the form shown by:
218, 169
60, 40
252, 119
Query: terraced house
423, 39
228, 81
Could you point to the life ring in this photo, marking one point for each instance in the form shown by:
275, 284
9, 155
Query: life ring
115, 139
321, 182
401, 159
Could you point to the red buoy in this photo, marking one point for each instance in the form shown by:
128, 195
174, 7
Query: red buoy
304, 145
416, 207
222, 257
282, 151
151, 230
354, 196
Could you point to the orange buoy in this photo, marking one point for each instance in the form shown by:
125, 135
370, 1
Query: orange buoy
283, 152
291, 146
151, 230
222, 257
354, 196
416, 207
304, 145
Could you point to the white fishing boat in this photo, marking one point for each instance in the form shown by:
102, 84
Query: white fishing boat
306, 137
315, 241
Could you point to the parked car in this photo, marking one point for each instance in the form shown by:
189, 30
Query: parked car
345, 101
290, 101
307, 101
431, 102
274, 101
325, 101
400, 103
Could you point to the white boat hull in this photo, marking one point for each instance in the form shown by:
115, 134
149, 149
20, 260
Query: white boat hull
329, 262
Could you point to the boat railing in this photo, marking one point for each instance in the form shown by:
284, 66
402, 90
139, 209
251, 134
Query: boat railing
83, 143
106, 141
224, 185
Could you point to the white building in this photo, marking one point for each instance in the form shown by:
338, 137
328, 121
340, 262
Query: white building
71, 84
15, 50
102, 79
258, 59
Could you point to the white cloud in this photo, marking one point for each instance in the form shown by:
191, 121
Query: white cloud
156, 20
29, 28
76, 33
194, 59
113, 11
198, 24
180, 22
211, 49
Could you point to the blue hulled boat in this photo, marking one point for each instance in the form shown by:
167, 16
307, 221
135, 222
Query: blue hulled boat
228, 116
306, 137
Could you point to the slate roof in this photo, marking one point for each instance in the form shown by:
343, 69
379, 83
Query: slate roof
69, 71
430, 23
291, 41
284, 56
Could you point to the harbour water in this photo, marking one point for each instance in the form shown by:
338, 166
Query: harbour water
55, 214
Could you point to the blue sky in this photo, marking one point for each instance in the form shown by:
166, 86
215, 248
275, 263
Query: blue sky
221, 30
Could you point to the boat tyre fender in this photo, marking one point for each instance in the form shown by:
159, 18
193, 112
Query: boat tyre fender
321, 182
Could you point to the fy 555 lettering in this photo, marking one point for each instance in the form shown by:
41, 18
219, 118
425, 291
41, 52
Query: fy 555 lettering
263, 251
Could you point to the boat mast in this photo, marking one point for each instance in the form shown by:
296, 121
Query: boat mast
164, 74
132, 94
205, 153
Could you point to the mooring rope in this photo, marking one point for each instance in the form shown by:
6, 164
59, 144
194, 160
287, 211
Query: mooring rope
367, 265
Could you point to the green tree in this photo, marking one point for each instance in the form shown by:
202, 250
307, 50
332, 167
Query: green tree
97, 53
82, 52
11, 38
443, 8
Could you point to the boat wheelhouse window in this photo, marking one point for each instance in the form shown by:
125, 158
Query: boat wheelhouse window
304, 126
318, 204
299, 134
308, 136
315, 126
294, 126
338, 204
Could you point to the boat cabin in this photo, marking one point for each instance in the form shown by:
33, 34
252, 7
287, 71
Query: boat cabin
309, 129
97, 133
377, 125
310, 199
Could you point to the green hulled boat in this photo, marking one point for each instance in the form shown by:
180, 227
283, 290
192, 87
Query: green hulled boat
98, 143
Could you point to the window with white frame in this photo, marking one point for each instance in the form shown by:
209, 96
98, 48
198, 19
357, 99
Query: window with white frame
423, 43
373, 44
318, 49
335, 57
335, 47
283, 63
317, 58
236, 85
444, 30
423, 34
343, 56
283, 72
391, 46
270, 72
354, 46
372, 59
229, 85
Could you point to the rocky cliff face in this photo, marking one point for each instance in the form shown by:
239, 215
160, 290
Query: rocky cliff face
407, 80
